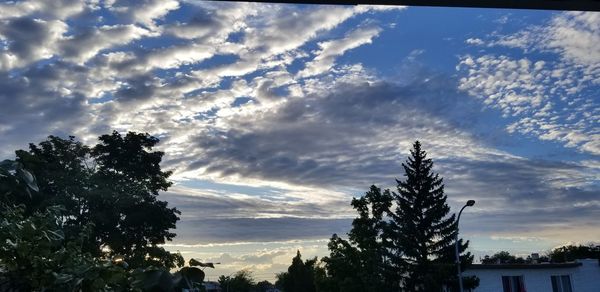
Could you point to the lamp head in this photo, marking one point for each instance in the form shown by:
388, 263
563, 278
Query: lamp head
470, 203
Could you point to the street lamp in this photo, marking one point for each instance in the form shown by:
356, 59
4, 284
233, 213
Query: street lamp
460, 283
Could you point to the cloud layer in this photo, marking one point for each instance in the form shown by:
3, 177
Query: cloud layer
274, 116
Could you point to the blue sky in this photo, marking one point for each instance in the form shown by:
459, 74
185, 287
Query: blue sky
273, 117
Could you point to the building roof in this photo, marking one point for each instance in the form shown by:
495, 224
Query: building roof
524, 266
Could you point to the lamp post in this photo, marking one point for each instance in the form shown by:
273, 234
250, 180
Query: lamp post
460, 283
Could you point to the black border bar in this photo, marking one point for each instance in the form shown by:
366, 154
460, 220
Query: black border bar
573, 5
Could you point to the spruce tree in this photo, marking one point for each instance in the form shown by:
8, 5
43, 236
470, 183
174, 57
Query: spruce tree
421, 232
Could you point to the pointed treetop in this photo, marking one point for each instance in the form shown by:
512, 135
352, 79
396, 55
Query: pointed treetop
416, 151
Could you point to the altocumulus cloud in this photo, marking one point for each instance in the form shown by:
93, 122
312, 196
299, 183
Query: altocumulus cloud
274, 116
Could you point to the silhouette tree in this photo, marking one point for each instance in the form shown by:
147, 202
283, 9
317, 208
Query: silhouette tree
300, 276
421, 233
503, 257
263, 286
242, 281
574, 252
409, 248
360, 264
111, 188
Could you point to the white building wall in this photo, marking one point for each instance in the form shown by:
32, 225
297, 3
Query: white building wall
587, 279
584, 278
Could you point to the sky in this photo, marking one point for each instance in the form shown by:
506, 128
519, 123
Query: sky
273, 117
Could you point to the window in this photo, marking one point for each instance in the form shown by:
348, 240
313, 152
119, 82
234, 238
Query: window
561, 283
513, 284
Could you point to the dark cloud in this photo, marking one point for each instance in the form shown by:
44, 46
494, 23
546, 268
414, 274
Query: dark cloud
261, 230
521, 194
28, 40
333, 141
26, 35
59, 9
140, 87
328, 140
204, 24
215, 204
35, 104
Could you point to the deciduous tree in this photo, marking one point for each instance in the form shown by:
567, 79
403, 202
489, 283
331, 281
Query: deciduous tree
112, 187
300, 276
361, 263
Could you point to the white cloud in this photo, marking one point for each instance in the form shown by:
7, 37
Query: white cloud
474, 41
83, 46
325, 57
28, 40
575, 35
143, 12
59, 9
549, 99
174, 57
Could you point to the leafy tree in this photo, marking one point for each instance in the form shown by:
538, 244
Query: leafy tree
15, 182
35, 254
242, 281
111, 188
38, 257
574, 252
300, 276
263, 286
503, 257
360, 264
421, 233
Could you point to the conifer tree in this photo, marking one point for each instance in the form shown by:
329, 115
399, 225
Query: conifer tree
421, 233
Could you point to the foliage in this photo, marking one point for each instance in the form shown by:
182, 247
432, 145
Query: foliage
242, 281
37, 257
263, 286
360, 263
111, 188
503, 257
300, 276
421, 233
158, 279
16, 181
574, 252
410, 247
48, 234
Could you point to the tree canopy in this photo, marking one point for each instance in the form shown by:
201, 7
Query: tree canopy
503, 257
111, 188
570, 253
303, 276
242, 281
400, 240
361, 263
80, 218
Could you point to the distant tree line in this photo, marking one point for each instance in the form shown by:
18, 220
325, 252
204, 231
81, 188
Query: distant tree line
561, 254
243, 281
311, 275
